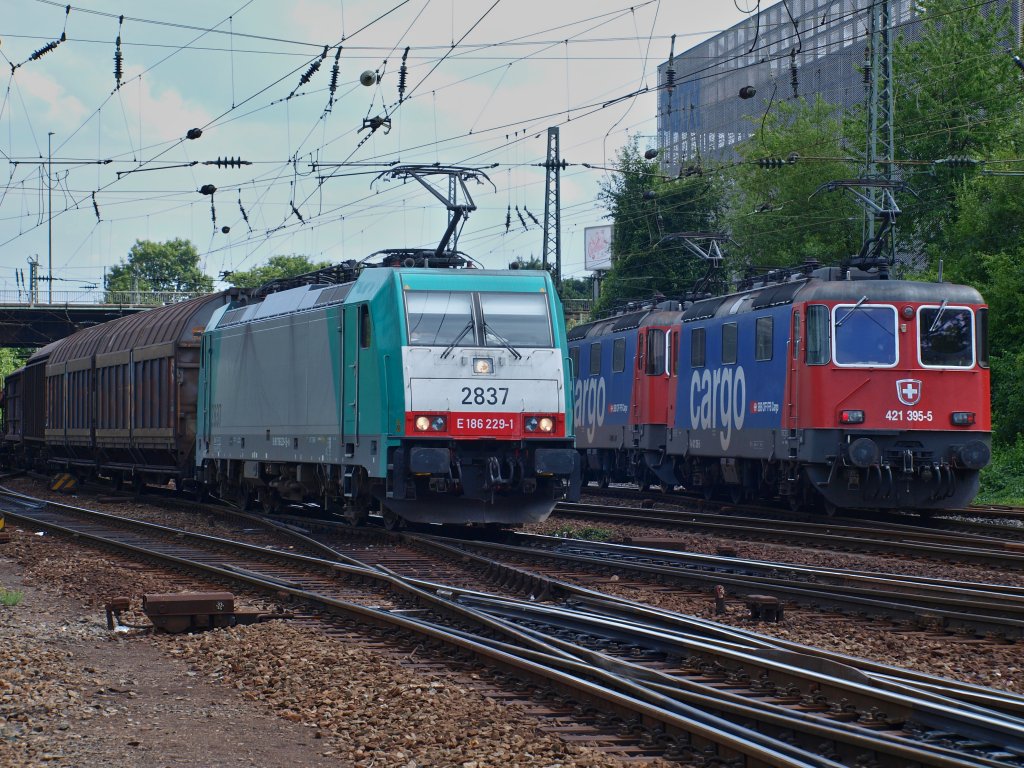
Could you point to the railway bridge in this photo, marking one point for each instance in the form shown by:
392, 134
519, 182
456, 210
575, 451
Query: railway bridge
25, 321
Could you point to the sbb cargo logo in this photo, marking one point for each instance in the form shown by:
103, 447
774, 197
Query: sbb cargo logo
718, 398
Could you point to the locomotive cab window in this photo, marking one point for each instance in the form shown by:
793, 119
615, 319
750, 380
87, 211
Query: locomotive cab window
697, 348
982, 341
574, 362
729, 335
516, 319
365, 327
437, 318
818, 344
945, 336
595, 359
655, 352
763, 338
864, 335
618, 355
450, 318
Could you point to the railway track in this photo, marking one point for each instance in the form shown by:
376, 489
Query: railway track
703, 694
979, 609
961, 544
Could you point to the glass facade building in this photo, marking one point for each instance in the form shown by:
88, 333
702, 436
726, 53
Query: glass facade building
796, 48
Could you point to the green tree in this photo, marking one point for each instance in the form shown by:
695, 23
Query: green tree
777, 216
12, 358
956, 90
172, 266
276, 268
647, 210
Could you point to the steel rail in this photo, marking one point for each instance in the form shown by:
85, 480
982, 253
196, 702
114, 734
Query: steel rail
989, 550
914, 607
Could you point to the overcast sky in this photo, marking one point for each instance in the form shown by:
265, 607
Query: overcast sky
485, 81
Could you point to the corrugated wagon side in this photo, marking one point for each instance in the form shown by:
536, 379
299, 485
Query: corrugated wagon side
121, 397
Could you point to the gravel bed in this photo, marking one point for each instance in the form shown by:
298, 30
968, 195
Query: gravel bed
73, 693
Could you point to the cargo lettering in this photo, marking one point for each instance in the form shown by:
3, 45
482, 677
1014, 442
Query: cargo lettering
590, 400
718, 397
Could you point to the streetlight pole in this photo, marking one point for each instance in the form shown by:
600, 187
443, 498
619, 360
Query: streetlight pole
49, 216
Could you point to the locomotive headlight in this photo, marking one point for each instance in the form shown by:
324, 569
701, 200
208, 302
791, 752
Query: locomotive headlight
851, 417
430, 423
483, 365
962, 418
539, 424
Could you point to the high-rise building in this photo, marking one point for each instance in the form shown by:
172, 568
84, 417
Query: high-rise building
790, 49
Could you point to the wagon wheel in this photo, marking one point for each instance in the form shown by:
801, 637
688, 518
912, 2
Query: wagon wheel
736, 494
603, 480
270, 501
246, 498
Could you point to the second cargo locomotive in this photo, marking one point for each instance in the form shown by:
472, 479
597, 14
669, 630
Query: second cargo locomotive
830, 388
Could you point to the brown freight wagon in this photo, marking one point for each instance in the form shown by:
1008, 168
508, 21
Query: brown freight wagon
117, 399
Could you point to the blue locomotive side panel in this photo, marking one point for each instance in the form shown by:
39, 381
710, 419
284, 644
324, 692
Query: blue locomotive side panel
603, 389
732, 380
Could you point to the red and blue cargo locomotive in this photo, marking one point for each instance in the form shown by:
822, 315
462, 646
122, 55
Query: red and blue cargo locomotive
832, 389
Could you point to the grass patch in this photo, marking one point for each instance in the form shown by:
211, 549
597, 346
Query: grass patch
1002, 481
10, 597
582, 532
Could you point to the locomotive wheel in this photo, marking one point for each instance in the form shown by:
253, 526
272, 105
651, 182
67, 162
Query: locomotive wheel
355, 514
392, 522
736, 493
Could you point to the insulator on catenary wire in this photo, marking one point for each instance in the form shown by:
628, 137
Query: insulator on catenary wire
213, 214
308, 74
333, 87
508, 218
228, 162
245, 216
402, 74
96, 207
296, 212
793, 78
532, 217
50, 46
522, 220
118, 58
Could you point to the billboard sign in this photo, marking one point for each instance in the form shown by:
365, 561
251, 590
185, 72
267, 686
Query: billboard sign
597, 244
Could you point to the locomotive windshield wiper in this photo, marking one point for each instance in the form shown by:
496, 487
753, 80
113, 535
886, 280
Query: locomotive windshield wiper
462, 333
504, 342
852, 310
938, 316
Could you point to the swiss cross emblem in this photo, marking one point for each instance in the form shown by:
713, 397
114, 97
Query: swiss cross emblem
908, 391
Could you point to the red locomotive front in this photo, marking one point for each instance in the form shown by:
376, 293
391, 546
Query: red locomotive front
888, 399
